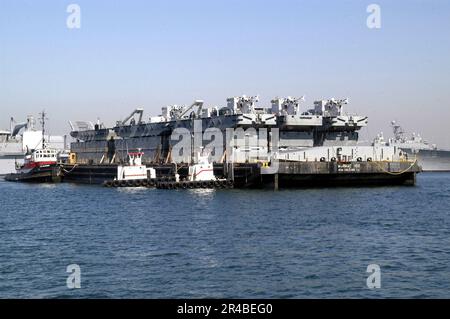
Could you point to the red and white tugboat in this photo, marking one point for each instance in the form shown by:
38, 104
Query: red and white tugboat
40, 165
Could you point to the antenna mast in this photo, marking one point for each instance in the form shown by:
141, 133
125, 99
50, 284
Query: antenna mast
42, 120
398, 130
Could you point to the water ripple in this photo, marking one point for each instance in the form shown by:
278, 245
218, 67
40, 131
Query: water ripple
146, 243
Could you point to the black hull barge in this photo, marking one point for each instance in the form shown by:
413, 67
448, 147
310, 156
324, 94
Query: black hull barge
332, 174
242, 175
288, 175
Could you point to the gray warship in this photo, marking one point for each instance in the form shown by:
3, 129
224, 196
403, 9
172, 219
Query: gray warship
429, 156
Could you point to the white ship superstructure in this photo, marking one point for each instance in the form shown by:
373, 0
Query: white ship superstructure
429, 156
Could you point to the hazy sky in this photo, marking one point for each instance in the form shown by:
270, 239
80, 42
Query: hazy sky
149, 54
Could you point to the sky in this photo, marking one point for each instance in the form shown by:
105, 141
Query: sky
129, 54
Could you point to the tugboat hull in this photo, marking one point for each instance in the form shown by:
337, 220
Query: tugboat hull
42, 174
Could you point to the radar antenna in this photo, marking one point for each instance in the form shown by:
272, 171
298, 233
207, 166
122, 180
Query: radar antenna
398, 130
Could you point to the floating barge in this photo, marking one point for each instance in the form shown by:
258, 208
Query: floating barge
288, 175
243, 175
303, 175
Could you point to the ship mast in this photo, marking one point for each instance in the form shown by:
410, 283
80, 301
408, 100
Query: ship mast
398, 131
11, 123
42, 120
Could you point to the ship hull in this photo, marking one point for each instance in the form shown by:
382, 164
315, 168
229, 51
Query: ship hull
42, 174
431, 160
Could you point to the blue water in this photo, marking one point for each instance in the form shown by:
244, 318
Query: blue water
147, 243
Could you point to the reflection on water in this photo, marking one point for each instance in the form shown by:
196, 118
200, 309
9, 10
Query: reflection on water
132, 190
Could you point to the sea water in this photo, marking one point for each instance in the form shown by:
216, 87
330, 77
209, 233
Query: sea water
149, 243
